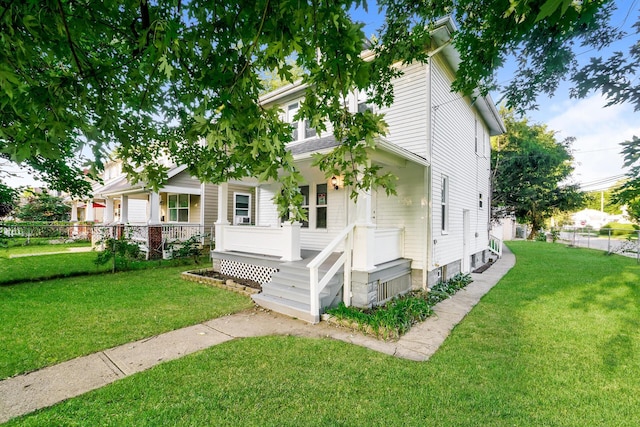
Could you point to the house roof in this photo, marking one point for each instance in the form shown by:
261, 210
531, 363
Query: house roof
305, 148
121, 185
441, 35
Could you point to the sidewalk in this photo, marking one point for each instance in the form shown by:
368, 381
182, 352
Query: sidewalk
27, 393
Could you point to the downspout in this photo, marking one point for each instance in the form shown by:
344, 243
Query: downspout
428, 256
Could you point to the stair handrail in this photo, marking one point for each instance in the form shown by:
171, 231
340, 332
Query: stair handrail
317, 284
495, 245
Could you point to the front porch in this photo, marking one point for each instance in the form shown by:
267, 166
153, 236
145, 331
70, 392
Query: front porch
303, 283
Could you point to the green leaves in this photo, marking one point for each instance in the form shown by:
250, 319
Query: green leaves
529, 166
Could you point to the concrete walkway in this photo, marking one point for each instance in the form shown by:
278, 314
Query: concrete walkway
26, 393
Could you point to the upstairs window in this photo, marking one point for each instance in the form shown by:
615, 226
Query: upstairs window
292, 110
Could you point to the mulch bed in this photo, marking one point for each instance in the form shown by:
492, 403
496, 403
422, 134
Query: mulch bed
245, 282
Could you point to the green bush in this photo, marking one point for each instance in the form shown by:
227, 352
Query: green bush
619, 229
396, 317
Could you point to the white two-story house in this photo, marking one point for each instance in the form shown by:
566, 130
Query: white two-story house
366, 252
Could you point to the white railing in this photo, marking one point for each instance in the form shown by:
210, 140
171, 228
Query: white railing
389, 244
495, 245
181, 232
138, 233
317, 284
283, 242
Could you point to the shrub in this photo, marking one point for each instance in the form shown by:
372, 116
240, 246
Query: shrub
619, 229
397, 316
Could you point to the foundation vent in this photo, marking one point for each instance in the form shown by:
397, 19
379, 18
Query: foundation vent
393, 287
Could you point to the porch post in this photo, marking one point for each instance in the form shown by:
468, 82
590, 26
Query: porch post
221, 222
108, 210
154, 208
74, 211
91, 216
364, 234
154, 236
291, 241
124, 209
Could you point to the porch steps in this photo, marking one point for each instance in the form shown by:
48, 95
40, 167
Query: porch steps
288, 292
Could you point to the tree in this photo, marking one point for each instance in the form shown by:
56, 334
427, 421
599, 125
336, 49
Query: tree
8, 198
43, 207
629, 192
528, 166
595, 199
183, 78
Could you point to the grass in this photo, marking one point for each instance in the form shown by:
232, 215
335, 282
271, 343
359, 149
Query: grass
44, 267
554, 343
47, 322
38, 247
397, 316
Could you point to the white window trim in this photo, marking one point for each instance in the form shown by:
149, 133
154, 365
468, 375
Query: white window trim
178, 208
239, 193
290, 112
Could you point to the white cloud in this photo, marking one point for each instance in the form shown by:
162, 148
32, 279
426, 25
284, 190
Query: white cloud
598, 130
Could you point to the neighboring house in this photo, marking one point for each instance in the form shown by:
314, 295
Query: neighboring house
366, 252
597, 219
183, 207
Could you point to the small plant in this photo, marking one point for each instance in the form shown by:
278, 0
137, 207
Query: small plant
541, 236
190, 248
555, 235
119, 251
397, 316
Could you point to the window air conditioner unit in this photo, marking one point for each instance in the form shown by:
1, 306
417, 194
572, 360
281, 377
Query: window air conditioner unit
243, 220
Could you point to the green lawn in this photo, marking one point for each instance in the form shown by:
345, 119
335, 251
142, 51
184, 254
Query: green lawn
47, 322
555, 343
39, 247
43, 267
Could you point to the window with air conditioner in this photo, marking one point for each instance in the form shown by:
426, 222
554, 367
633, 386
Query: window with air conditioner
242, 208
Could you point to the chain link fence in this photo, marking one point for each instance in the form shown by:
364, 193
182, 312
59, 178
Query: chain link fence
623, 241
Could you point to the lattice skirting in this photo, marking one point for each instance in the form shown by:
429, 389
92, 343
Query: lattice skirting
241, 270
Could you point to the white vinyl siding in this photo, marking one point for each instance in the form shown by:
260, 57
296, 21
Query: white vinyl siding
454, 155
407, 209
407, 117
267, 210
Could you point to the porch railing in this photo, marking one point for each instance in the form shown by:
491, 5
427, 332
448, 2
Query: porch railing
317, 284
389, 244
283, 242
181, 232
495, 245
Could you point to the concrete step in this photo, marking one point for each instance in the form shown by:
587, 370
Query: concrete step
295, 293
287, 307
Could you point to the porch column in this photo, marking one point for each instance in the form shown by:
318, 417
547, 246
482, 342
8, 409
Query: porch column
154, 236
91, 215
108, 210
74, 211
124, 209
154, 208
364, 234
221, 222
291, 241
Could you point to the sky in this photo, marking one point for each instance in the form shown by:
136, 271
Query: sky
598, 130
